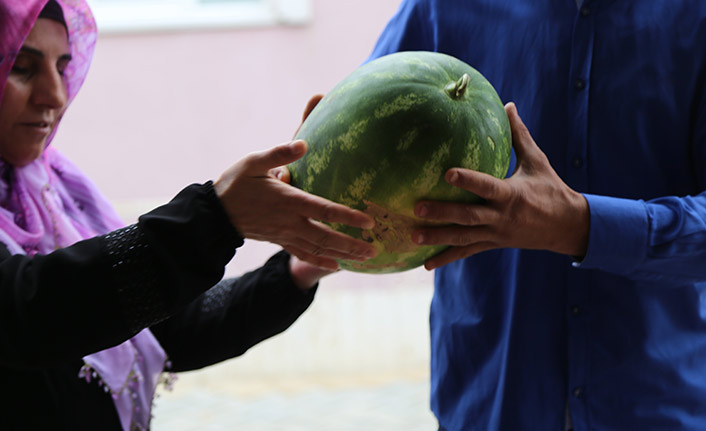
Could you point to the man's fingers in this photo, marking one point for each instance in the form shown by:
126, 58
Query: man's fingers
453, 235
457, 213
311, 104
519, 131
522, 140
484, 185
261, 162
456, 253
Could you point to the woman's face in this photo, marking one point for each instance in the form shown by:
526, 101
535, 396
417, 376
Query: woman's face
35, 93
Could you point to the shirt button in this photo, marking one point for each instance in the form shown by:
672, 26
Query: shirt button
585, 11
577, 162
575, 310
580, 84
578, 392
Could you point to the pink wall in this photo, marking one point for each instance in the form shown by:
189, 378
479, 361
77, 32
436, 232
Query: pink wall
160, 111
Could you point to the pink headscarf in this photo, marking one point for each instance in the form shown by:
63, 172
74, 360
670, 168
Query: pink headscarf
50, 204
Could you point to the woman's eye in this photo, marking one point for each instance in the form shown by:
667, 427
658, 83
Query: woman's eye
61, 68
21, 70
23, 66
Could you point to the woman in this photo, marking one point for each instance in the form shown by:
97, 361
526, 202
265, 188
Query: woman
91, 312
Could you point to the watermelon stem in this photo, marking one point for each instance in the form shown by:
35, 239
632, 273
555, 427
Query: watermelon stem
456, 89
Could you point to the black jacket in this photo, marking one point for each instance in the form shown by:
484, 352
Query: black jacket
158, 273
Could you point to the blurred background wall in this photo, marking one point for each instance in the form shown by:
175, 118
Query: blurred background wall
163, 109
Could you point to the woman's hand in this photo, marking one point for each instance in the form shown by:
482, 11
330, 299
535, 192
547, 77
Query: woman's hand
264, 207
306, 275
533, 209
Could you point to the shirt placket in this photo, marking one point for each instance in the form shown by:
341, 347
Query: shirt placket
578, 295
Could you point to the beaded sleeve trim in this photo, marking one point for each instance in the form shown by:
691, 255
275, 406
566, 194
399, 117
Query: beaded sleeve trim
135, 275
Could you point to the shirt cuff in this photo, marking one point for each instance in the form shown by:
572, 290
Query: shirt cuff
617, 239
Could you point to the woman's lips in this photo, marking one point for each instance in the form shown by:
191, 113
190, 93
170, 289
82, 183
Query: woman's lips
40, 127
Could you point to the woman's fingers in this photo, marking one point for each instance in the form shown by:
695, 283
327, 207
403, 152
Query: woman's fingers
318, 261
317, 239
281, 173
260, 162
262, 206
321, 209
320, 240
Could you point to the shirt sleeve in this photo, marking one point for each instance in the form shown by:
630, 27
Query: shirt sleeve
99, 292
233, 316
658, 240
661, 239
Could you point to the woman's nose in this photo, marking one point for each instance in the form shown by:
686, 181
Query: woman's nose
50, 90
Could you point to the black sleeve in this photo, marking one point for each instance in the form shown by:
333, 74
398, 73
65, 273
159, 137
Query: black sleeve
233, 316
99, 292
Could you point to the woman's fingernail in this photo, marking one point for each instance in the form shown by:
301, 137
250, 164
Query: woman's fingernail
419, 238
296, 147
453, 178
422, 210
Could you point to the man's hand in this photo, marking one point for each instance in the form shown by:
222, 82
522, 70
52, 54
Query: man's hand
265, 208
533, 209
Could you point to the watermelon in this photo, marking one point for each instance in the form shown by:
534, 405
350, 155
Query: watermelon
383, 138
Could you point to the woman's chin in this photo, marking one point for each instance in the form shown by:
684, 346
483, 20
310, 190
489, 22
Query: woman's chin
21, 160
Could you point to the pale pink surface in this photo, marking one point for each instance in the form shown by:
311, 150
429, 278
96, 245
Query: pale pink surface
159, 111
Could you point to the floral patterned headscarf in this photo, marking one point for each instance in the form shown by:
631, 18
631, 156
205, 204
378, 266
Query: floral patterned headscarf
50, 203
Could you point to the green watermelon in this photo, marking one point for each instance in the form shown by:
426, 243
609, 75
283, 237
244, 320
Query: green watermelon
383, 138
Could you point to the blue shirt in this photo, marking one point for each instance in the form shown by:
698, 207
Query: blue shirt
614, 92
